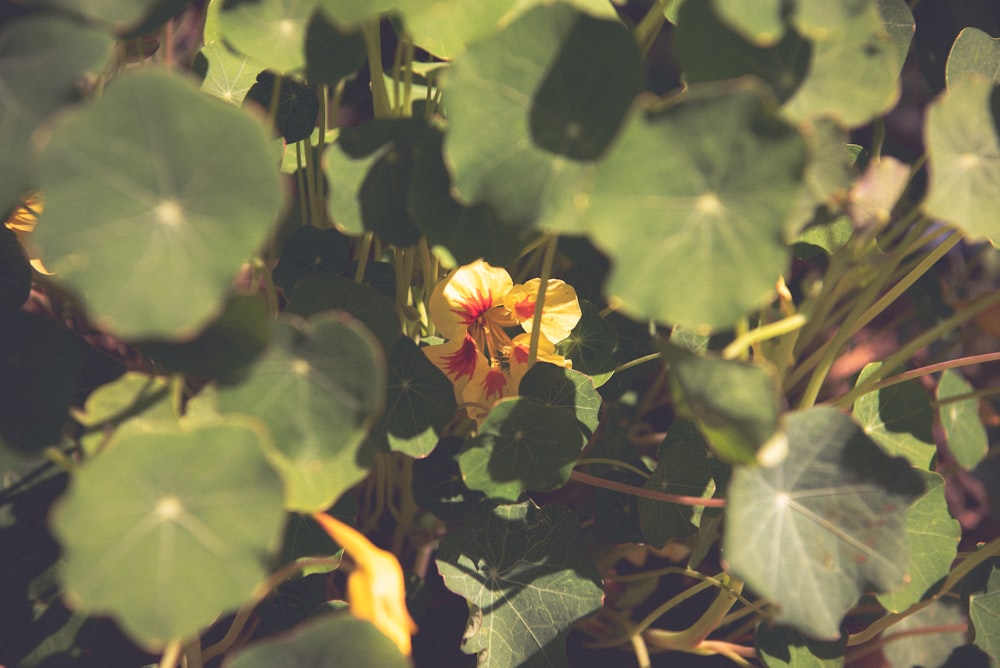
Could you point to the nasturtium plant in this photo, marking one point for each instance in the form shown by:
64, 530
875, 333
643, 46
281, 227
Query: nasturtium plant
659, 329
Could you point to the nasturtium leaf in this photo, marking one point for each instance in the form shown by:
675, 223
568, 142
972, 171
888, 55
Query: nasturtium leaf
854, 71
121, 15
310, 250
828, 175
298, 105
984, 611
823, 236
523, 445
967, 437
323, 292
332, 53
15, 272
899, 25
303, 537
528, 104
708, 49
564, 388
683, 469
468, 232
933, 535
691, 206
318, 389
221, 351
132, 395
168, 529
927, 637
784, 647
154, 195
420, 401
590, 345
899, 418
42, 58
760, 22
734, 404
331, 641
269, 31
823, 526
964, 157
526, 576
229, 75
437, 484
974, 53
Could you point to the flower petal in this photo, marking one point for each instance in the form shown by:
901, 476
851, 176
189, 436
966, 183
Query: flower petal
521, 346
466, 295
561, 311
375, 589
490, 384
458, 359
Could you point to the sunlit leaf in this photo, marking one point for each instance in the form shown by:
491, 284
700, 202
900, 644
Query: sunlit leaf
317, 388
690, 204
933, 535
964, 157
526, 575
823, 526
759, 21
967, 437
932, 634
974, 53
168, 529
564, 388
899, 418
784, 647
590, 345
521, 120
984, 611
131, 395
331, 641
522, 445
229, 75
145, 213
271, 32
120, 14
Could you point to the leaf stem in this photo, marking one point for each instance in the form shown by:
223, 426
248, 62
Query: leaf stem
769, 331
638, 361
649, 27
679, 499
548, 260
607, 461
373, 44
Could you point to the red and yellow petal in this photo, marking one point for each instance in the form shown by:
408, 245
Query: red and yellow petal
560, 313
519, 349
490, 384
466, 296
458, 359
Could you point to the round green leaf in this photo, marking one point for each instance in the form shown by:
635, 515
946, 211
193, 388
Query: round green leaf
760, 22
528, 103
984, 610
823, 526
332, 641
121, 14
41, 60
899, 418
522, 445
310, 250
964, 157
420, 401
332, 53
925, 639
974, 53
154, 196
784, 647
298, 105
229, 75
564, 388
590, 344
318, 389
167, 530
271, 32
967, 437
697, 197
525, 572
933, 535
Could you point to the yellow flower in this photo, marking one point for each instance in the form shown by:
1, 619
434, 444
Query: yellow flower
23, 222
375, 589
473, 308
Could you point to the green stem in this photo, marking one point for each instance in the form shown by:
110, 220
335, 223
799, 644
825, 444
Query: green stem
638, 361
965, 396
650, 25
679, 499
272, 108
763, 333
373, 43
607, 461
171, 653
543, 284
366, 246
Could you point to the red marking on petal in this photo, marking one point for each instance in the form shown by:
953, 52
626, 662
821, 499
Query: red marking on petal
519, 353
525, 309
474, 307
462, 363
494, 383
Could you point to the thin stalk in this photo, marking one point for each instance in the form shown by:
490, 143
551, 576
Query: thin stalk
373, 44
301, 182
754, 336
192, 652
614, 486
607, 461
366, 246
171, 653
975, 394
650, 25
641, 651
272, 107
543, 285
638, 361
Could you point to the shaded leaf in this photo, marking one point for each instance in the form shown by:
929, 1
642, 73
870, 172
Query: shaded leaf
420, 401
298, 105
310, 250
823, 526
522, 445
563, 388
590, 345
318, 388
332, 53
525, 573
271, 32
784, 647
